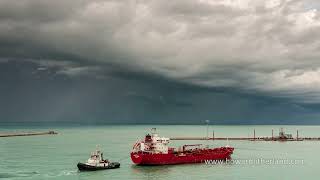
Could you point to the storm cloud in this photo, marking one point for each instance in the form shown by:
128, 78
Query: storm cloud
251, 48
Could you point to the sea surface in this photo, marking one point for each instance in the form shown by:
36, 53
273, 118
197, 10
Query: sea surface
54, 157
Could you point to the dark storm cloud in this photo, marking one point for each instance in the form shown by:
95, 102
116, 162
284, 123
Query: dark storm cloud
257, 48
32, 93
178, 40
36, 11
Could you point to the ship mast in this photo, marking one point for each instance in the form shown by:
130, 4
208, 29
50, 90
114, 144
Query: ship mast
207, 135
153, 131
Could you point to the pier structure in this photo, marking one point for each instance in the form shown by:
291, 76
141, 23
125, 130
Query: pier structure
282, 137
15, 134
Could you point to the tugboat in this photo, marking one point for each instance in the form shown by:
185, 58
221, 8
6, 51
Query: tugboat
96, 162
154, 150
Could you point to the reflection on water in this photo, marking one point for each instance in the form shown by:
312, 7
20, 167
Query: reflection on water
151, 172
153, 169
164, 171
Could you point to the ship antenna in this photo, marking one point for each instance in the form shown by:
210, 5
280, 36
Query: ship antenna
98, 147
207, 135
228, 142
153, 130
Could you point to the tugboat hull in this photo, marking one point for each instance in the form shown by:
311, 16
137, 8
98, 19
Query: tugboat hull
86, 167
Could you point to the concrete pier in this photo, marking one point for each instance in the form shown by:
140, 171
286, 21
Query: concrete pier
27, 134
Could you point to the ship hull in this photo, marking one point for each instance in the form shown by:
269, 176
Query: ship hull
86, 167
143, 158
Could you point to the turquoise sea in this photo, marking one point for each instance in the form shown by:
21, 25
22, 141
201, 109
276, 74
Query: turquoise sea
54, 157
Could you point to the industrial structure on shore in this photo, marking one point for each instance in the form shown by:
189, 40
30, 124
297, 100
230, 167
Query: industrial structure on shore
281, 137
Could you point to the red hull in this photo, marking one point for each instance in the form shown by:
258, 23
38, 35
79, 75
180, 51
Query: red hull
199, 156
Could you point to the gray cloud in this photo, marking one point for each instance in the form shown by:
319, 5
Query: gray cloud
268, 47
75, 92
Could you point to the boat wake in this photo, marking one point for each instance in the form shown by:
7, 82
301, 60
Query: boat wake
17, 174
61, 173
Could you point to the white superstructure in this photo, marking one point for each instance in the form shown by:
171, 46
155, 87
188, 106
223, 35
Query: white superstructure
153, 144
96, 159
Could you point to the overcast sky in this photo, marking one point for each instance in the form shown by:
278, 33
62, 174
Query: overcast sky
159, 61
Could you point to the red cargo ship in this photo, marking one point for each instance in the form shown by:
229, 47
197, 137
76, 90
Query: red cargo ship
154, 150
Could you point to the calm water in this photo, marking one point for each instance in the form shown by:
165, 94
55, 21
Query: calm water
55, 157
